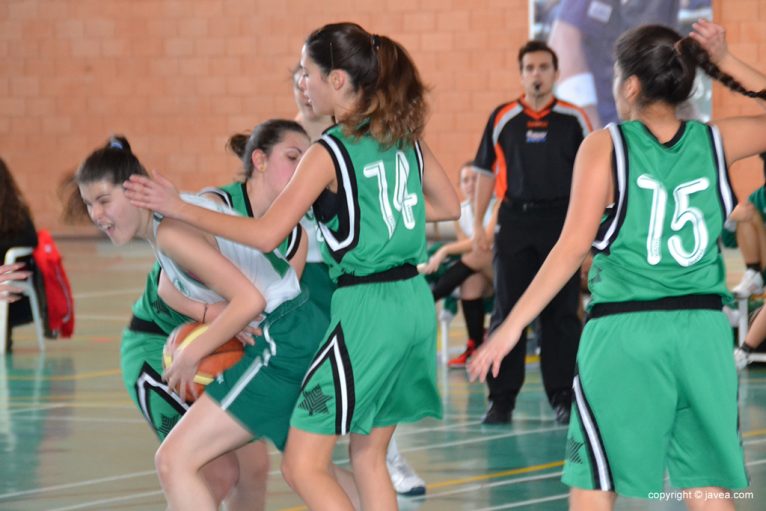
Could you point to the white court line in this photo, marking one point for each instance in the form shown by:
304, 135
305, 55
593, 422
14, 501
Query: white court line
114, 292
525, 503
506, 482
36, 408
468, 441
76, 485
85, 419
97, 317
109, 501
472, 487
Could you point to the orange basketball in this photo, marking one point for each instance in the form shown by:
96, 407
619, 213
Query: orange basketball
228, 354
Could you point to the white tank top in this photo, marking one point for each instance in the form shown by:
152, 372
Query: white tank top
270, 273
315, 237
466, 216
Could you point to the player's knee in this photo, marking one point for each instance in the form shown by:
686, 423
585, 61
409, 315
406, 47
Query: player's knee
164, 464
221, 475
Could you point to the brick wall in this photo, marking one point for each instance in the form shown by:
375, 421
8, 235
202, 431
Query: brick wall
178, 76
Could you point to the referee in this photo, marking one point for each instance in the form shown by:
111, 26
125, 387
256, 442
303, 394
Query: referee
526, 155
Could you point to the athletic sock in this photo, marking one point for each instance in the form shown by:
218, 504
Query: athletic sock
452, 278
473, 312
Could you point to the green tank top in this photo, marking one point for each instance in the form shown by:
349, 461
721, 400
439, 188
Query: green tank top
150, 306
660, 238
376, 220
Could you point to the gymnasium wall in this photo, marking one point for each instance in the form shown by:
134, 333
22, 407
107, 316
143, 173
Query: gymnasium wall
178, 76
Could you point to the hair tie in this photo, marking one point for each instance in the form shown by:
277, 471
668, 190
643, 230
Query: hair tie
375, 42
115, 144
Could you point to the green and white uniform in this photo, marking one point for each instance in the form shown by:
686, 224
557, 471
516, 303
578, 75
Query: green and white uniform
141, 358
260, 391
377, 366
656, 386
316, 274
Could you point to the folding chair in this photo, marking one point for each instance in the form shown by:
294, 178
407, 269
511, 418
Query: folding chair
27, 289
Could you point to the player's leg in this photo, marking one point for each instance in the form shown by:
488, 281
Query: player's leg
249, 494
591, 500
306, 466
708, 498
368, 459
204, 433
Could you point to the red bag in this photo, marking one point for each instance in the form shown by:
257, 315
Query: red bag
59, 308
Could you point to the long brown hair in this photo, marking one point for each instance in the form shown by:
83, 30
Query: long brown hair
392, 106
14, 208
665, 64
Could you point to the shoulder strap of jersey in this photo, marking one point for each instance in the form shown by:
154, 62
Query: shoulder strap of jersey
611, 225
725, 191
223, 194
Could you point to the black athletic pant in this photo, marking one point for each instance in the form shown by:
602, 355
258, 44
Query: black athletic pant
522, 242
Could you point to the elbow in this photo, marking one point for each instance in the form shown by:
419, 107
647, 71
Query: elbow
265, 242
454, 210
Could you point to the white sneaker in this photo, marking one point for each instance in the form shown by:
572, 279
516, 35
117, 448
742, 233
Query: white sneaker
741, 358
406, 482
732, 315
751, 284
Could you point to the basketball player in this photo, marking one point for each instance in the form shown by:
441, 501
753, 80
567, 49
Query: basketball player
370, 176
254, 398
655, 386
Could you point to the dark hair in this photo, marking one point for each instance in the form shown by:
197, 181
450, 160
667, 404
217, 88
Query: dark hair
665, 64
264, 137
236, 143
14, 209
392, 95
534, 46
114, 162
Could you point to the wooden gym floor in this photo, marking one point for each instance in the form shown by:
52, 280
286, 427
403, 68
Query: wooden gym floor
70, 438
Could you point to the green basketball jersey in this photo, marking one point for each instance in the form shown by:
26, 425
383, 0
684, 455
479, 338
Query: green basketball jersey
376, 220
150, 306
660, 238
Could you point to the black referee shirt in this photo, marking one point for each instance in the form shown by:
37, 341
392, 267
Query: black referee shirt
532, 153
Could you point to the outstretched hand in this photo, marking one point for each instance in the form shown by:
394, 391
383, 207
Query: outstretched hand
156, 193
491, 354
711, 37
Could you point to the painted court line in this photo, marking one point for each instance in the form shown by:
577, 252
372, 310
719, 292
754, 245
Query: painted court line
104, 317
80, 484
114, 500
114, 292
525, 503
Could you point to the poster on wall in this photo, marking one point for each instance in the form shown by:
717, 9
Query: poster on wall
583, 33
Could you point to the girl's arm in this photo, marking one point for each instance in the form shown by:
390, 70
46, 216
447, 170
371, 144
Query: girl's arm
193, 252
712, 38
742, 136
591, 193
198, 311
461, 246
315, 172
441, 200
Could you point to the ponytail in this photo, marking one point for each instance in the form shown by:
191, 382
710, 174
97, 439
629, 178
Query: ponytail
391, 107
692, 50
